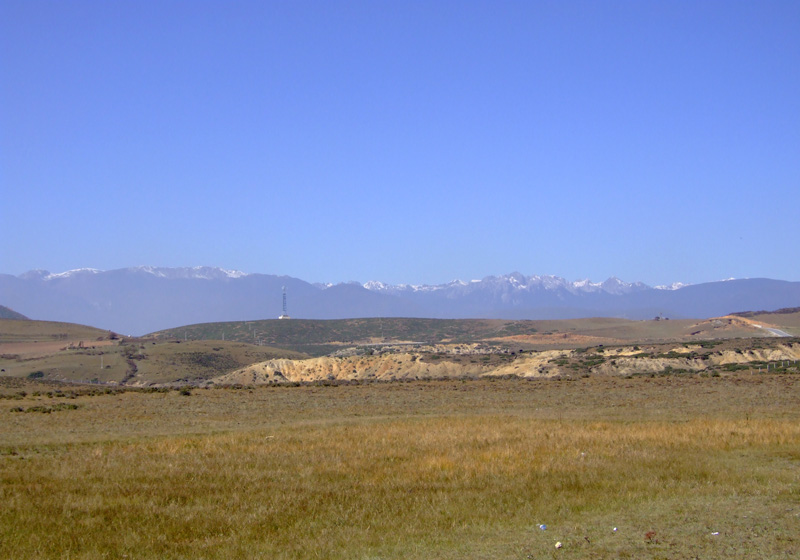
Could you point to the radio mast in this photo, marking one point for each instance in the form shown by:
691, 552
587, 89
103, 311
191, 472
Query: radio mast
284, 315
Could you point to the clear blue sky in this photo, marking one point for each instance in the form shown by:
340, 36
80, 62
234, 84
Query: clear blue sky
403, 141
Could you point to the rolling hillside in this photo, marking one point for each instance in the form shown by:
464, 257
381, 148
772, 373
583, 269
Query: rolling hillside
277, 351
76, 353
318, 338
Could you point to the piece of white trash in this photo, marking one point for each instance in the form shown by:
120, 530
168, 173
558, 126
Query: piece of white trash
558, 544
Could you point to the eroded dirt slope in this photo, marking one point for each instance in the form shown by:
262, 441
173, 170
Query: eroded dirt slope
445, 362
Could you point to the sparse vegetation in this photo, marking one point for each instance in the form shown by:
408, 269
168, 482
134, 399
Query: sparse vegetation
315, 337
675, 444
46, 409
65, 352
431, 469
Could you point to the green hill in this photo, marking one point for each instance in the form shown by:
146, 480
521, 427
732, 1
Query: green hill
319, 337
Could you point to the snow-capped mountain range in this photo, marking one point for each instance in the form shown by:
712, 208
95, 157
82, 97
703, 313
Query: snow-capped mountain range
144, 299
195, 272
514, 280
517, 281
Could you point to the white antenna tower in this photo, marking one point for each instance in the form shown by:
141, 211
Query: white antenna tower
285, 315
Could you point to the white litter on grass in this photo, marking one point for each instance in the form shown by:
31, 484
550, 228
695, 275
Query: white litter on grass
614, 529
543, 527
559, 545
715, 533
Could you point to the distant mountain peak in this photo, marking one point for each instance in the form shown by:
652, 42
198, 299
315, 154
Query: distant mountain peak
37, 274
673, 286
75, 272
46, 275
149, 298
195, 272
582, 284
376, 285
514, 281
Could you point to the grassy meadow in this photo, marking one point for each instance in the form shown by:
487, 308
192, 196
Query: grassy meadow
664, 467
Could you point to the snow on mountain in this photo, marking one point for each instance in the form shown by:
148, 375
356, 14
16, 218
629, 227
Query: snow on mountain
71, 273
145, 299
514, 282
673, 286
196, 272
586, 285
37, 274
191, 273
617, 287
376, 286
398, 289
176, 273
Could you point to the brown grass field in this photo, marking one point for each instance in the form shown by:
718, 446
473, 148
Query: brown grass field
648, 467
68, 352
454, 348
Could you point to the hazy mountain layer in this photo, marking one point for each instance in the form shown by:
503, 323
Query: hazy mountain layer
145, 299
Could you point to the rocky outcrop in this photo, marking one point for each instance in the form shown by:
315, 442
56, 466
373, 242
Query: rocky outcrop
451, 363
393, 366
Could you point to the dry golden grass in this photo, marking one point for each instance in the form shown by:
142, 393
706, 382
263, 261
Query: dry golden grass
790, 322
15, 330
112, 361
417, 470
